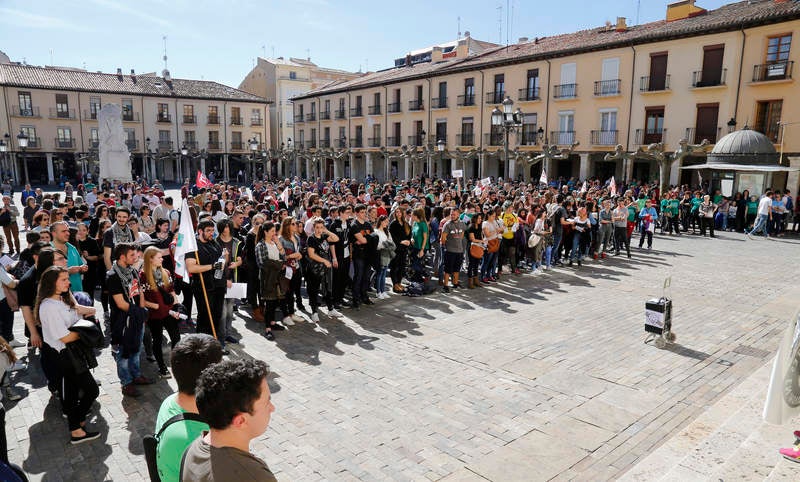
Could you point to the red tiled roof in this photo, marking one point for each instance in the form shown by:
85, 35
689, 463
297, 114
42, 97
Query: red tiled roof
15, 75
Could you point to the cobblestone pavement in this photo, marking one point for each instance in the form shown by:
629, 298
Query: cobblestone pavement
535, 378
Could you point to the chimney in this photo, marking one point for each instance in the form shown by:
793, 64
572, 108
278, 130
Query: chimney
621, 24
436, 54
133, 73
523, 40
462, 49
683, 9
119, 73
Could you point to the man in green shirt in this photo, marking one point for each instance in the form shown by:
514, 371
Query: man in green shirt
189, 358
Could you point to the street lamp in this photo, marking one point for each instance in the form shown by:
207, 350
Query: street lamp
22, 139
3, 148
509, 122
147, 166
253, 144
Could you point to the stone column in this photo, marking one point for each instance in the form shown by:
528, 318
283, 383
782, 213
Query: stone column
203, 163
50, 178
337, 171
793, 177
584, 166
628, 174
407, 162
368, 164
512, 166
674, 173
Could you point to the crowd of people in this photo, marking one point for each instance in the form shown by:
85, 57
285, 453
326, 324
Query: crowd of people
350, 244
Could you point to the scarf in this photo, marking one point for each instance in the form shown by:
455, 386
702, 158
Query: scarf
121, 234
126, 275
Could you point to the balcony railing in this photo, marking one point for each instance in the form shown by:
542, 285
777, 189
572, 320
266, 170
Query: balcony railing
562, 138
89, 115
495, 97
236, 120
773, 71
603, 88
214, 146
237, 145
696, 135
393, 108
62, 114
645, 137
94, 144
653, 84
341, 143
604, 138
213, 120
493, 139
133, 144
311, 144
466, 100
163, 117
702, 78
374, 110
529, 94
256, 121
324, 143
415, 140
415, 104
465, 139
439, 103
325, 115
528, 137
340, 114
165, 145
356, 112
393, 141
25, 111
190, 119
130, 116
311, 117
34, 142
190, 145
64, 143
299, 118
357, 142
565, 91
374, 141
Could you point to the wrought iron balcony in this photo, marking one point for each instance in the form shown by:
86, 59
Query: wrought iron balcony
393, 141
324, 143
604, 138
64, 143
528, 137
465, 139
299, 118
312, 144
236, 120
603, 88
565, 91
374, 110
214, 146
25, 111
653, 84
311, 117
393, 108
495, 97
529, 94
645, 137
356, 112
695, 135
165, 145
191, 145
494, 139
190, 119
356, 142
89, 115
237, 145
702, 78
415, 104
34, 143
374, 141
439, 103
466, 100
341, 143
416, 140
94, 144
163, 117
562, 138
213, 120
340, 114
325, 115
773, 71
130, 116
55, 113
133, 144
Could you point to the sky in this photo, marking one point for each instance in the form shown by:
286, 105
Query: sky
216, 40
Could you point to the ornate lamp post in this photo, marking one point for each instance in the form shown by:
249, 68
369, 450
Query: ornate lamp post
149, 172
253, 149
3, 149
184, 153
509, 122
22, 139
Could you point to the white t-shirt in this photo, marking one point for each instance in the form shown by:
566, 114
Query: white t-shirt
489, 230
56, 319
764, 206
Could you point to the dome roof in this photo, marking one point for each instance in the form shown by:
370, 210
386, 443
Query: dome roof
745, 141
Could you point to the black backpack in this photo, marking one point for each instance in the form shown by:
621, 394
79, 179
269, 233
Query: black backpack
150, 442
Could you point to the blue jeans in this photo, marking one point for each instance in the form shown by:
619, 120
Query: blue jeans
556, 246
487, 266
128, 368
576, 252
762, 224
380, 280
360, 279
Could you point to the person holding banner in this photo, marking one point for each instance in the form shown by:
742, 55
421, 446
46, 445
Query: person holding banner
206, 266
228, 242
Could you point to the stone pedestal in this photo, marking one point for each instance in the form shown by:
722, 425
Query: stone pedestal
369, 164
583, 172
50, 178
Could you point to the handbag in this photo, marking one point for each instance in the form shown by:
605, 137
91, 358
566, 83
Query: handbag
476, 250
11, 298
533, 240
494, 245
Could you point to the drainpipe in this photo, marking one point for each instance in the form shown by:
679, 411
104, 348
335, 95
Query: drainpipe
739, 81
385, 122
630, 101
547, 103
482, 162
430, 115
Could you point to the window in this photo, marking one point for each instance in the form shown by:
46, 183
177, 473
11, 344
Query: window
64, 137
313, 138
326, 134
213, 114
62, 106
255, 115
189, 139
94, 138
467, 136
236, 139
236, 116
327, 106
442, 95
528, 136
359, 133
499, 84
778, 48
130, 139
164, 136
419, 93
30, 131
566, 127
441, 130
127, 110
342, 136
658, 72
163, 113
188, 114
531, 85
341, 104
653, 125
293, 75
213, 139
94, 107
609, 81
608, 128
567, 88
768, 114
313, 108
25, 104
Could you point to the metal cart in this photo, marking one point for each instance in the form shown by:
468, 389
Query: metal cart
658, 319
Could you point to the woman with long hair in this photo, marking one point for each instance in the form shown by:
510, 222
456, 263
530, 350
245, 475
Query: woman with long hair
475, 236
270, 259
291, 246
103, 226
100, 213
56, 311
158, 296
146, 222
386, 250
491, 236
400, 232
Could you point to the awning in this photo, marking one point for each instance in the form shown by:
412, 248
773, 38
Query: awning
743, 167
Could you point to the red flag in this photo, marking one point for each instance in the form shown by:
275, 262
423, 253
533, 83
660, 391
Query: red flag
202, 181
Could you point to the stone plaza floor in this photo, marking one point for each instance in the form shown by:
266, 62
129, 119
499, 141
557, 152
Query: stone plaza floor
535, 378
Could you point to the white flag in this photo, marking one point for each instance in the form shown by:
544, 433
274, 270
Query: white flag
583, 188
612, 185
783, 395
543, 177
186, 242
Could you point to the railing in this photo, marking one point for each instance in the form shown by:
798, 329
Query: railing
653, 84
289, 77
529, 94
323, 143
25, 111
393, 108
495, 97
374, 141
356, 142
342, 143
256, 121
465, 139
696, 135
702, 78
62, 114
607, 87
439, 103
61, 143
604, 138
325, 115
562, 138
237, 145
311, 117
190, 119
94, 144
311, 144
34, 143
493, 139
442, 138
415, 104
133, 144
356, 112
773, 71
165, 145
130, 117
236, 121
393, 141
374, 110
89, 115
528, 137
565, 91
340, 114
190, 145
645, 137
213, 120
214, 146
415, 140
299, 118
162, 117
466, 100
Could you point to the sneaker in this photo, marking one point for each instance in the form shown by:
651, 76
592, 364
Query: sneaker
164, 374
231, 339
89, 436
790, 453
11, 394
315, 317
288, 321
297, 318
17, 344
269, 336
277, 327
334, 313
18, 365
130, 391
445, 289
140, 380
368, 301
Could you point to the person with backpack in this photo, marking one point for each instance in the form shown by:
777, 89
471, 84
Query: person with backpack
178, 422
